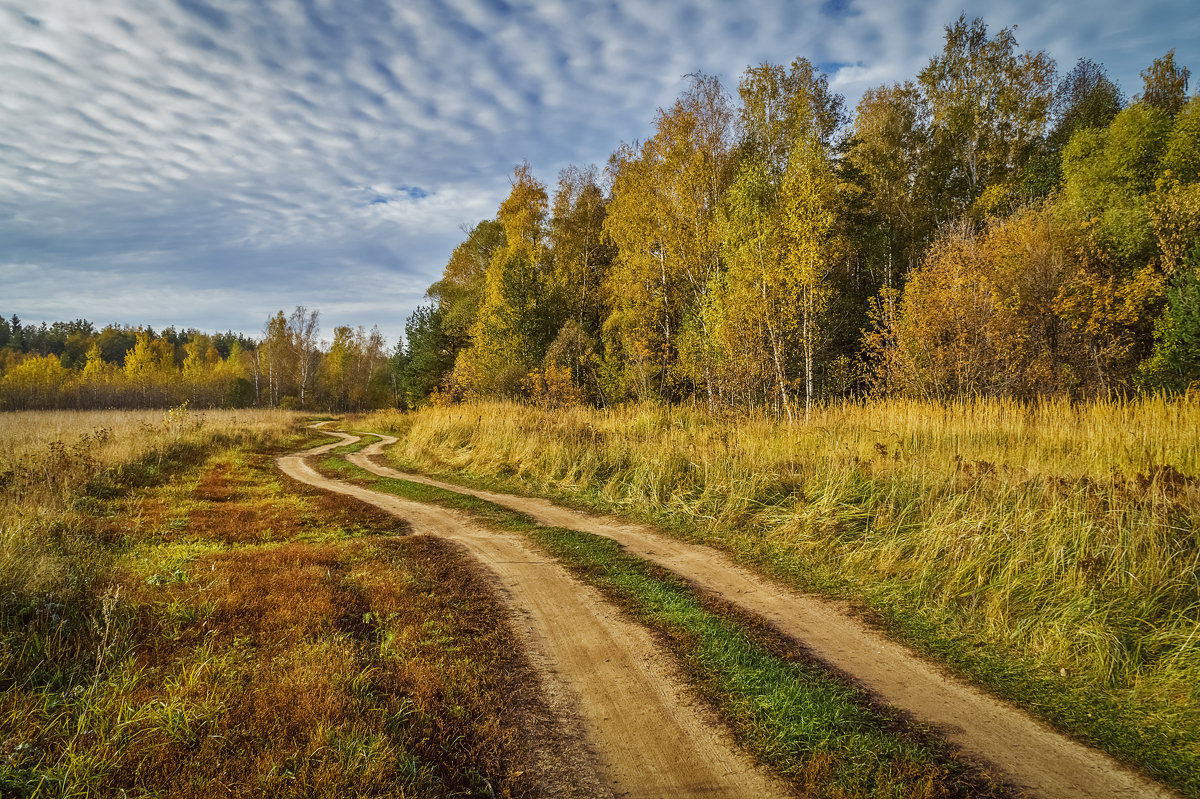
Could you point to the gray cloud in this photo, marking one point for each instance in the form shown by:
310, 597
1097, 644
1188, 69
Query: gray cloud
205, 162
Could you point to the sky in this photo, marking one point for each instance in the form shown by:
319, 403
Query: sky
205, 163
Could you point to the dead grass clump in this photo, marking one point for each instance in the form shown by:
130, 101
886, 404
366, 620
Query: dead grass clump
1166, 479
215, 485
293, 591
236, 523
349, 514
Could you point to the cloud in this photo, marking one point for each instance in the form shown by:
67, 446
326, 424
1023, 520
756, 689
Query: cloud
204, 162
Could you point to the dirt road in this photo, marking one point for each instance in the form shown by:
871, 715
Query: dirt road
649, 735
1027, 752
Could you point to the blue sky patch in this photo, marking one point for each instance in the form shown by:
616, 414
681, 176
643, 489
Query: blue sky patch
213, 16
837, 8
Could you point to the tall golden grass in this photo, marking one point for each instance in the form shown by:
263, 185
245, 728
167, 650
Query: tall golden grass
1063, 535
127, 435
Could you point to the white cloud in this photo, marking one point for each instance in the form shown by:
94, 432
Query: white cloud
196, 158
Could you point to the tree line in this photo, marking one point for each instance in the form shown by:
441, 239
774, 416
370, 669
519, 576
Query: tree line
74, 365
990, 227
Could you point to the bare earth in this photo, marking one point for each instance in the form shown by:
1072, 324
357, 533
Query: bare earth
1024, 750
646, 735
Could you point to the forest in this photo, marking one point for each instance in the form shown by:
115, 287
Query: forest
73, 365
990, 228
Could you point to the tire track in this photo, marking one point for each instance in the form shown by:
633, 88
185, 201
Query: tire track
650, 737
1024, 750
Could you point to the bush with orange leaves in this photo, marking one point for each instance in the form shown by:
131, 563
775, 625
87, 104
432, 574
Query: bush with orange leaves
1028, 307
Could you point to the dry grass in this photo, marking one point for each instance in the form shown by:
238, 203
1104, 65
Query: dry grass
182, 621
1051, 549
133, 432
47, 457
55, 466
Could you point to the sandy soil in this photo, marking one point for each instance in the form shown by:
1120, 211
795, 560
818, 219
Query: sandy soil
1016, 746
644, 734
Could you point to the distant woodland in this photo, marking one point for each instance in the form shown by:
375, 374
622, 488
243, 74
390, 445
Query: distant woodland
992, 227
73, 365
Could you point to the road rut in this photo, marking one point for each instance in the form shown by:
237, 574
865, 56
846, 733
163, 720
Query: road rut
650, 736
1023, 750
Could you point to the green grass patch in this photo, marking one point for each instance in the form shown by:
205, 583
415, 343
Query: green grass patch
364, 441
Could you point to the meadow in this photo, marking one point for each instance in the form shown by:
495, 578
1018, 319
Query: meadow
166, 596
53, 464
1048, 551
178, 619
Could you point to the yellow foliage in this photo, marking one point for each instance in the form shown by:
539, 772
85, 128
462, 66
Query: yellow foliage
501, 340
94, 369
149, 357
1176, 216
37, 374
1024, 308
552, 388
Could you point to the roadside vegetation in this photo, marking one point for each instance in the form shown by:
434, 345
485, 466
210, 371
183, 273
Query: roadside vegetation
1048, 550
178, 619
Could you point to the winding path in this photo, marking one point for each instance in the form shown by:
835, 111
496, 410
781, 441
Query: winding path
648, 735
1024, 750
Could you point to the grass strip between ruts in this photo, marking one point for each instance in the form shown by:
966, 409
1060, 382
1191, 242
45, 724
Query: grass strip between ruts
1163, 750
821, 733
366, 440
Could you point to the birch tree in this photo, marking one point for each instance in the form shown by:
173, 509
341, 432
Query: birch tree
303, 327
990, 105
781, 210
516, 318
812, 245
663, 219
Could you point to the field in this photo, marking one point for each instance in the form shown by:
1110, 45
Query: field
181, 615
176, 619
1048, 551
